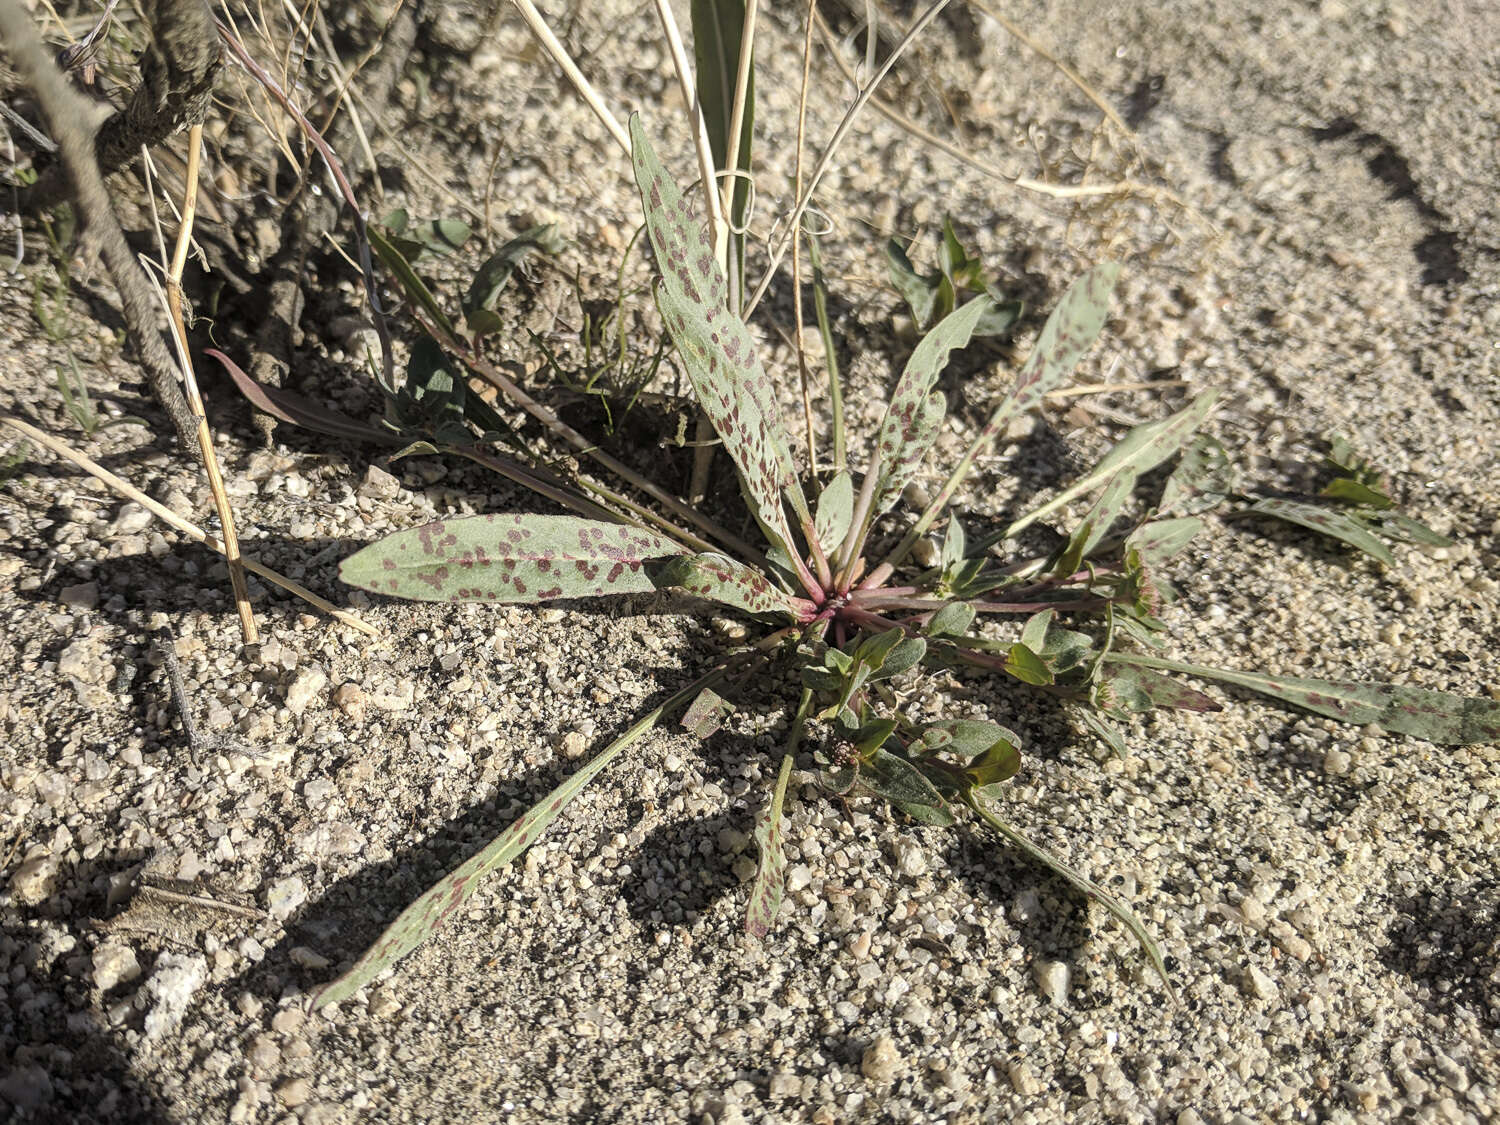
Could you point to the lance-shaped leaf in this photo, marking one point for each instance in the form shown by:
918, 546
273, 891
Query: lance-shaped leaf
1201, 480
505, 558
728, 582
715, 346
1325, 521
718, 40
770, 875
419, 920
1139, 451
492, 276
835, 510
300, 411
1102, 729
916, 411
1437, 716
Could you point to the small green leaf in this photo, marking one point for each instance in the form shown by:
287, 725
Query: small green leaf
894, 779
1096, 524
1034, 632
1160, 540
835, 510
1203, 478
872, 735
505, 558
415, 289
919, 292
997, 765
1436, 716
953, 620
1325, 521
965, 738
770, 874
1349, 491
954, 546
1140, 689
1404, 529
1026, 666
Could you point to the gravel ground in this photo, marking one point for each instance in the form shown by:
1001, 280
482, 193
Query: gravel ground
1326, 895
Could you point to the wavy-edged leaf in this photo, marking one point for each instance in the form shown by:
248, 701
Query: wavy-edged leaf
492, 276
507, 558
835, 511
1437, 716
727, 581
715, 346
1079, 880
1142, 449
419, 920
770, 874
1069, 332
916, 411
1325, 521
1203, 478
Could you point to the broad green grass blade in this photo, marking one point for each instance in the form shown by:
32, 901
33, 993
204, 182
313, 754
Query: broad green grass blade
1437, 716
915, 411
728, 582
504, 558
718, 30
1326, 521
1139, 451
770, 875
1082, 882
419, 920
715, 346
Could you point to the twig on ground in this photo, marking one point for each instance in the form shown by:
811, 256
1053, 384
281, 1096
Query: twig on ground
191, 530
166, 644
69, 115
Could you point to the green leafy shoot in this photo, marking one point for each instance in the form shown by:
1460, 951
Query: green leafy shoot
1080, 629
934, 296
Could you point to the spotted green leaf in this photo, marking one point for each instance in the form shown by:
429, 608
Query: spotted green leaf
705, 714
1436, 716
729, 582
770, 874
507, 558
1202, 479
835, 511
1160, 540
1325, 521
916, 411
716, 349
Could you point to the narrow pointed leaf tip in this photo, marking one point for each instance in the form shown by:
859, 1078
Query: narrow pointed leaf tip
1069, 332
506, 558
715, 346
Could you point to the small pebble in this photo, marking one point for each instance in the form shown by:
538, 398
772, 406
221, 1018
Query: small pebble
34, 881
294, 1091
114, 964
304, 689
881, 1060
1023, 1080
1261, 986
1052, 978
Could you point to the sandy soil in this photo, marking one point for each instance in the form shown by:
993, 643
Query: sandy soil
1327, 895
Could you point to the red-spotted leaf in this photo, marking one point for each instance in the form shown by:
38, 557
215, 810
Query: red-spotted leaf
1437, 716
1160, 540
1069, 332
1201, 480
916, 411
1135, 688
770, 876
505, 558
715, 346
1326, 521
728, 582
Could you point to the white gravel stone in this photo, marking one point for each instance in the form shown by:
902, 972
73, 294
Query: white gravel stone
174, 980
881, 1061
304, 689
114, 964
285, 896
33, 882
1053, 977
